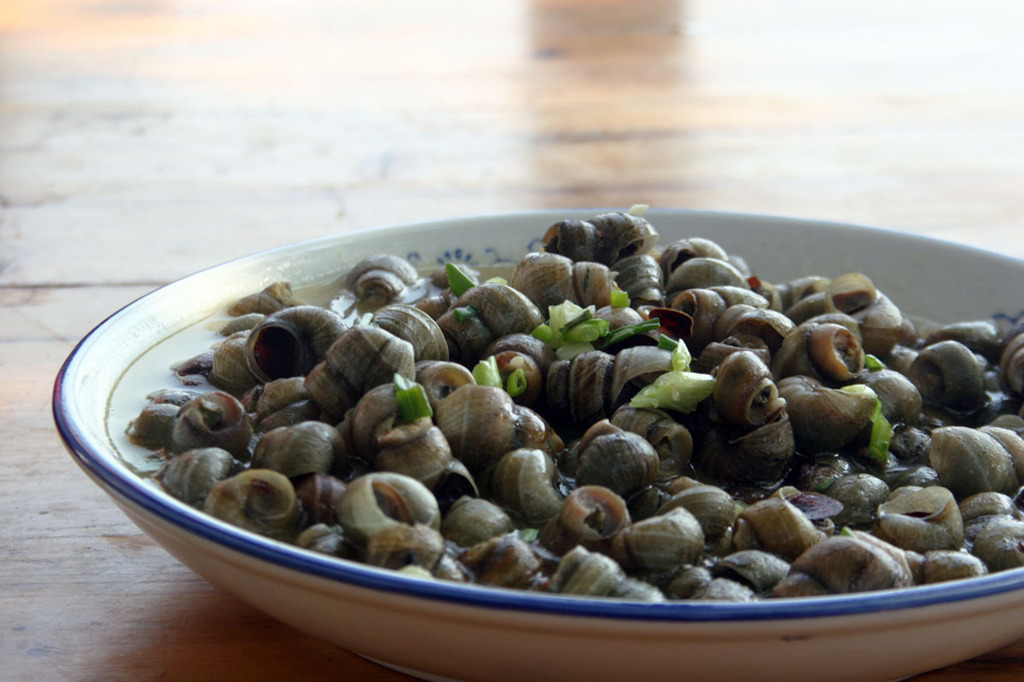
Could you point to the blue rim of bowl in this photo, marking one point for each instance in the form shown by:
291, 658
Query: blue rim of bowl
118, 480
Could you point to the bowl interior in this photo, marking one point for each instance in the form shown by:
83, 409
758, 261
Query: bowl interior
103, 384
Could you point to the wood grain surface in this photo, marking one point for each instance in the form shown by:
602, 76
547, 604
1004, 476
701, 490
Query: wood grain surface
142, 140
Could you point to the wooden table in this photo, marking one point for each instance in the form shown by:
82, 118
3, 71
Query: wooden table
141, 140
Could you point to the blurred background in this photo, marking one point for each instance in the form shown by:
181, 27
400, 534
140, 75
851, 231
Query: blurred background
142, 140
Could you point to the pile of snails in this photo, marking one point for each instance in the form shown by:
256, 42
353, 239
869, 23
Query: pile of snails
840, 446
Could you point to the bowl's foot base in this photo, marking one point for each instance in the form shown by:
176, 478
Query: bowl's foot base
429, 677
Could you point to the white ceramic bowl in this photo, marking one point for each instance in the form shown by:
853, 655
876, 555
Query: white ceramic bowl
444, 630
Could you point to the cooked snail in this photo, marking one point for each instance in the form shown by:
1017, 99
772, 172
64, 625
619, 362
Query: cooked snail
833, 444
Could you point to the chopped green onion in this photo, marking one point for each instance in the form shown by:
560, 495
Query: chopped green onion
620, 299
587, 331
412, 399
584, 315
457, 279
543, 332
486, 373
847, 532
565, 314
529, 534
465, 312
681, 357
675, 390
881, 429
825, 485
516, 384
623, 333
569, 351
666, 343
497, 280
873, 363
638, 209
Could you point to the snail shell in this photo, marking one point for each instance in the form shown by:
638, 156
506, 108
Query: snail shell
524, 481
606, 238
745, 394
306, 448
230, 370
416, 327
402, 545
921, 520
440, 379
362, 358
274, 297
942, 566
619, 460
290, 342
746, 320
746, 457
713, 508
382, 277
213, 420
319, 495
379, 500
589, 516
503, 561
825, 351
901, 401
947, 373
548, 279
824, 418
860, 495
775, 525
525, 352
379, 435
981, 336
659, 543
482, 423
972, 461
588, 573
703, 307
153, 426
472, 520
699, 273
844, 564
283, 402
499, 310
670, 439
677, 253
1011, 360
640, 276
760, 571
594, 384
1001, 544
192, 475
259, 500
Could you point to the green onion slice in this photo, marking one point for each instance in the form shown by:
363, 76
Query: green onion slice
412, 399
873, 363
457, 279
676, 390
463, 313
486, 373
881, 429
544, 332
620, 299
516, 384
529, 534
622, 333
666, 342
571, 350
681, 357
